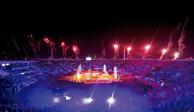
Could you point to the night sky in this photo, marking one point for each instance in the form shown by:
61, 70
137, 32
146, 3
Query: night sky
89, 28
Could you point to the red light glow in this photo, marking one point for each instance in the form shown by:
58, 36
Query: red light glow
164, 51
129, 48
74, 48
116, 46
62, 44
176, 55
147, 47
46, 40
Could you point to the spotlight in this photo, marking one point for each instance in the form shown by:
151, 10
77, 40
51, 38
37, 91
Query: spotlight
87, 100
56, 100
67, 98
110, 100
3, 65
22, 73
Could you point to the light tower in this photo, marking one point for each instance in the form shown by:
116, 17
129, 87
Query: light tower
63, 48
164, 51
129, 51
147, 48
75, 50
116, 48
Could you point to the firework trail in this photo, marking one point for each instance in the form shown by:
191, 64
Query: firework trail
15, 44
131, 43
150, 44
182, 37
154, 36
175, 30
35, 45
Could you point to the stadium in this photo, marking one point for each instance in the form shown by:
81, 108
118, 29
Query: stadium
98, 64
157, 85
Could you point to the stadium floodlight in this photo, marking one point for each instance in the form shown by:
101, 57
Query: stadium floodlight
176, 55
56, 100
87, 100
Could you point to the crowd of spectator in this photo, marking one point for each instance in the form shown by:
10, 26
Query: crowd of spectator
175, 79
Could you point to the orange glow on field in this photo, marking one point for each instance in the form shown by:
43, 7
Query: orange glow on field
90, 77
